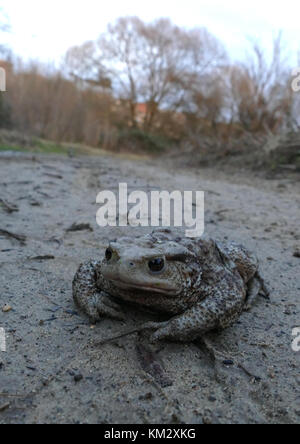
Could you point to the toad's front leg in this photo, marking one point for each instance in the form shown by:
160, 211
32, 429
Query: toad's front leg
89, 297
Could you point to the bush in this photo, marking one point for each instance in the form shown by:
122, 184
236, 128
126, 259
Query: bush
135, 140
5, 114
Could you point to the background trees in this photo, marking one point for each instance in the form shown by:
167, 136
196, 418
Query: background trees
142, 84
151, 63
260, 92
4, 54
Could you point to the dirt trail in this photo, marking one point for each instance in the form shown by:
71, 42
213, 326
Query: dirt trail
53, 371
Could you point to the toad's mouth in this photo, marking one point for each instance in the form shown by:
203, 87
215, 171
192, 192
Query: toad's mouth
145, 288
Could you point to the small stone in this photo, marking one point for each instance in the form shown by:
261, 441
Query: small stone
6, 308
271, 374
146, 397
296, 253
78, 377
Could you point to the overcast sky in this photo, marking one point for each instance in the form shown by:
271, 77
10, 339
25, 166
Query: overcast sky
45, 29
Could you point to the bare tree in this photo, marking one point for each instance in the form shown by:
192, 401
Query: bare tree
296, 97
4, 28
151, 63
259, 92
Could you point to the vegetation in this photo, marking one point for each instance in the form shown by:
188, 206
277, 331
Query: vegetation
150, 86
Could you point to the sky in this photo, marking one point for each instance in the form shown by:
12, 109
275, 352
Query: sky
45, 29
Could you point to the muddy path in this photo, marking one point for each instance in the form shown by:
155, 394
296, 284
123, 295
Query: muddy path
53, 371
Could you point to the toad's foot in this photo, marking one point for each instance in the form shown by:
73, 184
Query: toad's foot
166, 331
101, 306
256, 287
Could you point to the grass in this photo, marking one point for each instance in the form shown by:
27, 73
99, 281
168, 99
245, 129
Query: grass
46, 147
38, 147
18, 142
6, 147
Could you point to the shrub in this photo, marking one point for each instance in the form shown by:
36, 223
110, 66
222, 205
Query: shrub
135, 139
5, 113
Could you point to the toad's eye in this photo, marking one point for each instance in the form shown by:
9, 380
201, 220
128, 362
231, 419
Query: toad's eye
156, 265
108, 254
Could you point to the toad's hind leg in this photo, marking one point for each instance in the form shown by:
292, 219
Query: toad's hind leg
256, 286
220, 309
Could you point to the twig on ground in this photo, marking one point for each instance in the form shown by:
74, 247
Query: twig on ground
256, 378
42, 258
8, 395
9, 208
79, 227
123, 335
19, 237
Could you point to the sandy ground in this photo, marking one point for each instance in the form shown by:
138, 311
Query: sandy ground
55, 372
